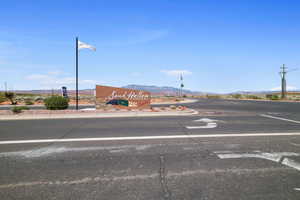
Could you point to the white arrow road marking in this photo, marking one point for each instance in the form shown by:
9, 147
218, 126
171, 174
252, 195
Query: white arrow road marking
211, 123
275, 157
206, 120
298, 145
208, 125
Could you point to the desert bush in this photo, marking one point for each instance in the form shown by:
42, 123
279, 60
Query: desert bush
236, 96
56, 103
275, 97
11, 97
39, 98
19, 98
2, 97
213, 96
173, 107
268, 96
29, 102
253, 97
272, 96
19, 109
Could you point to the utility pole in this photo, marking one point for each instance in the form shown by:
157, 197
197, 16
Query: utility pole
283, 81
76, 73
181, 84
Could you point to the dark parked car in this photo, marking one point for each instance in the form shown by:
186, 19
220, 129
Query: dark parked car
121, 102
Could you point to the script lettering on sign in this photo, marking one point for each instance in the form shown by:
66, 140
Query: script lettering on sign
129, 96
135, 98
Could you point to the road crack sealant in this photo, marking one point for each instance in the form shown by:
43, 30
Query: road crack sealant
163, 180
103, 178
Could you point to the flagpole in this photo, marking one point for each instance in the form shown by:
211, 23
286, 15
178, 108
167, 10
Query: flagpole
76, 73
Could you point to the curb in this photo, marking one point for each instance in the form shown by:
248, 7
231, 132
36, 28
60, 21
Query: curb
173, 103
97, 115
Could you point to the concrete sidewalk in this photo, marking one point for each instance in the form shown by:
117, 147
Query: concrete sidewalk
24, 116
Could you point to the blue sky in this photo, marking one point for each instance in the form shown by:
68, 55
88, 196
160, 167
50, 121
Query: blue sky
220, 46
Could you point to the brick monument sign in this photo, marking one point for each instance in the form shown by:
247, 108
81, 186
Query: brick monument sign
121, 97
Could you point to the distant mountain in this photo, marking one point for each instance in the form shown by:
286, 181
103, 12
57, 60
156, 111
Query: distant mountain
155, 90
55, 91
164, 90
263, 92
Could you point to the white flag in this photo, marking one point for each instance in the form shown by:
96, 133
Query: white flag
82, 45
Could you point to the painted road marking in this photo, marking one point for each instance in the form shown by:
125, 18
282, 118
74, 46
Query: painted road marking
279, 157
206, 120
276, 157
297, 189
146, 138
280, 118
211, 123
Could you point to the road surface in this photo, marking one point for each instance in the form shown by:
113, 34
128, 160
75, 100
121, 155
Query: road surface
232, 150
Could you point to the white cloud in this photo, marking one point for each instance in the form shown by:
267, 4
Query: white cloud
37, 77
176, 72
88, 81
55, 72
53, 79
136, 74
289, 88
134, 37
65, 80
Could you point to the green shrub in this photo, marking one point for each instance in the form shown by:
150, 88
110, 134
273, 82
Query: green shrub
56, 103
213, 96
2, 97
19, 109
268, 96
39, 98
253, 97
11, 97
29, 102
272, 96
275, 97
236, 96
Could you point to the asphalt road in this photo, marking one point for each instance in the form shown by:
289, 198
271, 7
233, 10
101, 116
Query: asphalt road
232, 150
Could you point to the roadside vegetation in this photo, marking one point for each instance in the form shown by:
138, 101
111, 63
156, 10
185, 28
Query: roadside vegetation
2, 97
29, 101
259, 96
11, 97
19, 109
272, 97
56, 103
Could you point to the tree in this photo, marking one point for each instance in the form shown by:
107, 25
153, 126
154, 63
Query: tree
11, 97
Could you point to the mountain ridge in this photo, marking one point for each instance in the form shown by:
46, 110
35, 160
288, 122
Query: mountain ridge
154, 89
